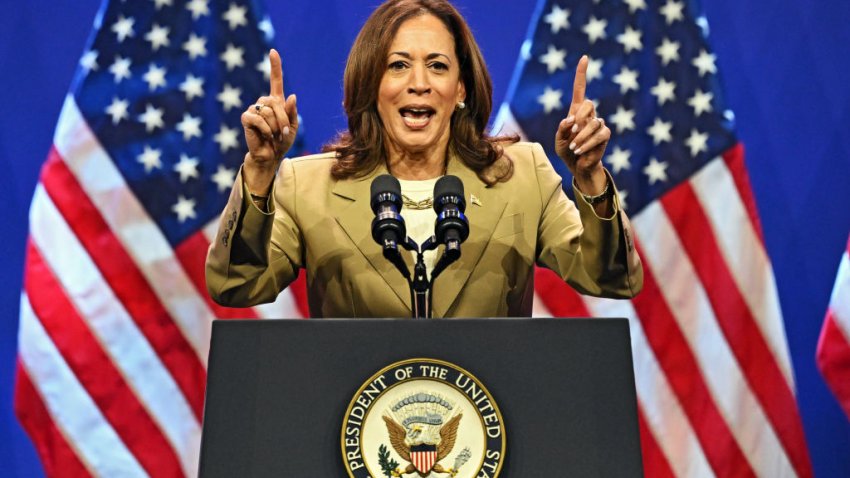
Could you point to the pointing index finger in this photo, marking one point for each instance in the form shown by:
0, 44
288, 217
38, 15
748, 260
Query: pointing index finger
276, 75
580, 83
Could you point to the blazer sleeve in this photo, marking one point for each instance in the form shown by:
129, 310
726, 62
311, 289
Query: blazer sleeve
595, 255
256, 254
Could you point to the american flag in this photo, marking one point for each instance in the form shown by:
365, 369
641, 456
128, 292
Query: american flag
115, 318
833, 352
714, 379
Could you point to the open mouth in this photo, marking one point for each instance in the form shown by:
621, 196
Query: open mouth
417, 117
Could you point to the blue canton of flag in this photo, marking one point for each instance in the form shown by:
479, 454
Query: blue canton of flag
163, 88
712, 369
652, 75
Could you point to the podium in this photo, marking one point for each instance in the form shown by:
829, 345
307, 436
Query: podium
283, 397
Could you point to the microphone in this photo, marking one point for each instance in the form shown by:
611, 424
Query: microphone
388, 227
452, 227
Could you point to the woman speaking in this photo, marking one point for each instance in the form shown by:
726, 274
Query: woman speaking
418, 97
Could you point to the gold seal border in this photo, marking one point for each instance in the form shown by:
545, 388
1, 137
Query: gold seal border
435, 362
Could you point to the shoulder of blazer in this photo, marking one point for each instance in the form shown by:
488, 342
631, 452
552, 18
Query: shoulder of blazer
313, 160
527, 158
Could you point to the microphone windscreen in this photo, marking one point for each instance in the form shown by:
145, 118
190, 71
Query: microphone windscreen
449, 186
385, 188
385, 183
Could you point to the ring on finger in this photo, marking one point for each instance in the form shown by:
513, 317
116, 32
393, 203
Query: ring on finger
258, 107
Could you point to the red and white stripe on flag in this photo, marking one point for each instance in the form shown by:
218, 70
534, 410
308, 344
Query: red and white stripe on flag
713, 374
114, 323
833, 352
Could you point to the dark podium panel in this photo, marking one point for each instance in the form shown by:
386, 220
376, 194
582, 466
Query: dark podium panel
278, 391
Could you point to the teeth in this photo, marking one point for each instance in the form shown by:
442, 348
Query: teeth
416, 122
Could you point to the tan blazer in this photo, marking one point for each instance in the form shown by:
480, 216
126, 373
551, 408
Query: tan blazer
323, 225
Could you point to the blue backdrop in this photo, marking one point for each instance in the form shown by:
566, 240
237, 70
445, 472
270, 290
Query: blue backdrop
784, 63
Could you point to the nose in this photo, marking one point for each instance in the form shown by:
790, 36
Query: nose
419, 84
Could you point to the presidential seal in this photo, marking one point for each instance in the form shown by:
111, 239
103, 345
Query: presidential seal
423, 418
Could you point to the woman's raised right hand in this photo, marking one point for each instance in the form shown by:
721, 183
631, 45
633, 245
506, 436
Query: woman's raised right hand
270, 126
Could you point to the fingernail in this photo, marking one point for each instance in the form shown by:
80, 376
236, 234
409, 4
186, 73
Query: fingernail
286, 130
575, 128
571, 118
573, 145
578, 151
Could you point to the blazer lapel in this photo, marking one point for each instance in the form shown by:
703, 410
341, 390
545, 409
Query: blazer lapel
483, 215
356, 220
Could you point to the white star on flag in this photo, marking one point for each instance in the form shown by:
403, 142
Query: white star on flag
267, 28
190, 126
594, 69
701, 102
150, 158
187, 168
705, 63
158, 37
595, 29
656, 171
123, 28
702, 23
235, 16
152, 118
697, 142
660, 131
551, 99
623, 119
224, 178
264, 68
672, 11
635, 5
664, 91
627, 79
232, 56
118, 109
184, 208
623, 195
192, 87
195, 46
155, 77
554, 59
162, 3
120, 69
668, 51
198, 8
558, 18
229, 97
227, 138
89, 61
619, 159
630, 39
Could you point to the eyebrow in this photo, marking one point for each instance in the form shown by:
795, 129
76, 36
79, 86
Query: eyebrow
430, 56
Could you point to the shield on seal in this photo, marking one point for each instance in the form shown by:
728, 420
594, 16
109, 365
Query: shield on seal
423, 457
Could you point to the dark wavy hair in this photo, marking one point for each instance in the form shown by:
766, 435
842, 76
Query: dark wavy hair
361, 149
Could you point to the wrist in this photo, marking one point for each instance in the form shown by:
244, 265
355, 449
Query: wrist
592, 183
257, 176
603, 196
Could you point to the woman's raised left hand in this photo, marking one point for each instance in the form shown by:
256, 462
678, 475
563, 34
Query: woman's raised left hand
582, 137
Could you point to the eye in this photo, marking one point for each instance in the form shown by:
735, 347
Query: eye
397, 65
438, 65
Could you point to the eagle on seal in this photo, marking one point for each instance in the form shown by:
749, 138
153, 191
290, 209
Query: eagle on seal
402, 446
